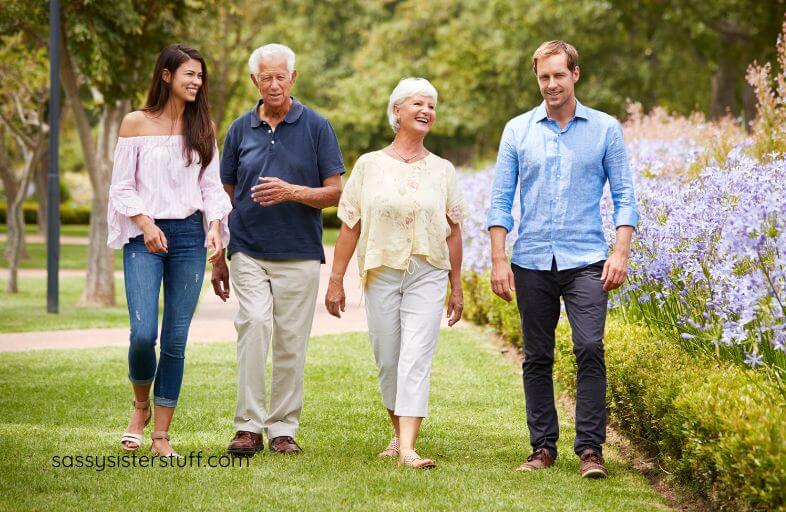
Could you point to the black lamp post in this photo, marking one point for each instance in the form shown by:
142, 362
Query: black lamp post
53, 211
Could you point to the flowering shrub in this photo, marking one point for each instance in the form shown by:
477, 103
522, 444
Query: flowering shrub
708, 262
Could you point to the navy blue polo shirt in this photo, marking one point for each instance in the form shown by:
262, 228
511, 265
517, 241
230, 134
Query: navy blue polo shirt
303, 150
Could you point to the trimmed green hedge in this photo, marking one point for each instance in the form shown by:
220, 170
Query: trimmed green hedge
714, 426
68, 214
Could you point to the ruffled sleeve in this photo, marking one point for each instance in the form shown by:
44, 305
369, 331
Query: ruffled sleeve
456, 208
349, 206
124, 201
217, 205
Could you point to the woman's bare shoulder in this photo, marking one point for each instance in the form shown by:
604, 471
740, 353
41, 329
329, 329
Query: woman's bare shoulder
133, 124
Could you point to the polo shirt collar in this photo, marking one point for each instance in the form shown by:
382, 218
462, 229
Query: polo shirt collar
295, 111
581, 112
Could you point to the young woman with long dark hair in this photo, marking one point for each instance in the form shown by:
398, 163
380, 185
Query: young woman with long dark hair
166, 205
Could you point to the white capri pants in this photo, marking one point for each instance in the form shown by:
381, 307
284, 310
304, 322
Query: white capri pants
404, 311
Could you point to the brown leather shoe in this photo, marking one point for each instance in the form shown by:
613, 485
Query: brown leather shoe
246, 444
540, 459
284, 444
591, 465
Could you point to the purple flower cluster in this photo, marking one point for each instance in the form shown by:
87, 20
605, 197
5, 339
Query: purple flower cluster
708, 262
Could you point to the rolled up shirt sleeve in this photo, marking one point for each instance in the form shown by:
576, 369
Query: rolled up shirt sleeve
615, 165
506, 176
216, 201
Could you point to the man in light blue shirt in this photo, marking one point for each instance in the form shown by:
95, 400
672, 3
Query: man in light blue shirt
561, 154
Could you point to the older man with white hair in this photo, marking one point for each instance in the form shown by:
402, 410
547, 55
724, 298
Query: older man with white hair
281, 165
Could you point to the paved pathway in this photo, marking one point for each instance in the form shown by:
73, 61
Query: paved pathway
214, 320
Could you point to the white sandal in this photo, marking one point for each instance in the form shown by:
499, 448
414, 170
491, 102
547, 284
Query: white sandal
163, 434
130, 437
391, 450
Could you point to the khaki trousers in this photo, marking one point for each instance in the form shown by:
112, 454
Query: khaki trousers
277, 300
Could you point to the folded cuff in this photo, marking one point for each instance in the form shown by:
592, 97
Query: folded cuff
626, 217
500, 218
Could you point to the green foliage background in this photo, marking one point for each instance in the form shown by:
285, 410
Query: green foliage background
685, 55
682, 54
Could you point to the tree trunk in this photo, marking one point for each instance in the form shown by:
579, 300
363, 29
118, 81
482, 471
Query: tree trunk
100, 282
748, 106
11, 186
15, 215
41, 181
728, 76
724, 85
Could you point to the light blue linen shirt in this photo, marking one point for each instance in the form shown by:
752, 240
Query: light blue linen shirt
561, 173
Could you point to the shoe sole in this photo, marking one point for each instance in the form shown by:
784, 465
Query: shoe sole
594, 473
293, 452
245, 452
427, 466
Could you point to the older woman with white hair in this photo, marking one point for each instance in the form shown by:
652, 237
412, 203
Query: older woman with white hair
402, 208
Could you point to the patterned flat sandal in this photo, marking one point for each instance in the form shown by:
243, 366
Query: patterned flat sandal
130, 437
391, 450
414, 460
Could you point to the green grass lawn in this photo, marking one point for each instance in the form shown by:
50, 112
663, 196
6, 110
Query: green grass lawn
65, 229
72, 257
77, 402
75, 256
26, 311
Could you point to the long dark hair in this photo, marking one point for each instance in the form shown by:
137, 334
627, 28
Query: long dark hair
197, 128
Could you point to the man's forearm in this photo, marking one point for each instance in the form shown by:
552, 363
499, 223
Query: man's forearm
318, 197
624, 236
498, 235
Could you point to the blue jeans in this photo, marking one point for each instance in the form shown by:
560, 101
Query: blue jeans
181, 269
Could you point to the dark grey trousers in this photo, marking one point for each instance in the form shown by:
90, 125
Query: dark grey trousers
538, 295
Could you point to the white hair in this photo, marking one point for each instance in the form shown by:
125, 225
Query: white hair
271, 50
407, 88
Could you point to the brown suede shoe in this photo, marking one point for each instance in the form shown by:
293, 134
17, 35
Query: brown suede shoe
540, 459
284, 444
245, 444
591, 465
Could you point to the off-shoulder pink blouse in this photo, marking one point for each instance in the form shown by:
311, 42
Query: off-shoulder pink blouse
150, 177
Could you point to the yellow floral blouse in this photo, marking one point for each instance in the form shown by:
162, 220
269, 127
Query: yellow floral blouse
403, 209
